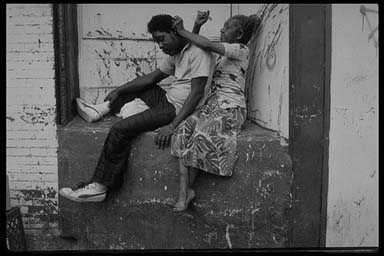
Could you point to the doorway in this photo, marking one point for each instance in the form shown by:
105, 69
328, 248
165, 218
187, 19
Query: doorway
309, 80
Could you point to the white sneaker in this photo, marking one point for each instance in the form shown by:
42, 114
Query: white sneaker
83, 192
87, 112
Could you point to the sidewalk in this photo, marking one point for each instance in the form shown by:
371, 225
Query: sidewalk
48, 240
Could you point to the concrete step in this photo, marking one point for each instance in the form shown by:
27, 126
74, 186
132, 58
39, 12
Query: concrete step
248, 210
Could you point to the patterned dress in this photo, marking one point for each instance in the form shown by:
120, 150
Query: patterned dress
207, 139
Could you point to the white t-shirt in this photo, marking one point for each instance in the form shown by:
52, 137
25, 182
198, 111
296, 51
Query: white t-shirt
191, 62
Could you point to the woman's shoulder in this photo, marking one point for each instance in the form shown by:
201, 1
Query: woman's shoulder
236, 45
236, 51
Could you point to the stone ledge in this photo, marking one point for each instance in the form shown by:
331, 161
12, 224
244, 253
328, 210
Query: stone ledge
247, 210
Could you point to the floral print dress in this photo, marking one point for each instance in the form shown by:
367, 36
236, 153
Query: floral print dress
207, 139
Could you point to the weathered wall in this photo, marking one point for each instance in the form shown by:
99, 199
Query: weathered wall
353, 148
267, 77
114, 46
248, 210
31, 144
245, 9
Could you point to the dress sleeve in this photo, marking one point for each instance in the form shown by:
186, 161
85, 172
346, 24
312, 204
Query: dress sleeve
236, 51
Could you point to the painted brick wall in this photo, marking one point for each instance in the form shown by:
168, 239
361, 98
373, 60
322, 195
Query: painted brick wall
31, 144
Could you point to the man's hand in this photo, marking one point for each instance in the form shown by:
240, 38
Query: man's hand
202, 17
111, 97
163, 137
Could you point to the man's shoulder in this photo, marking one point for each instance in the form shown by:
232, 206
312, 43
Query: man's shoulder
195, 50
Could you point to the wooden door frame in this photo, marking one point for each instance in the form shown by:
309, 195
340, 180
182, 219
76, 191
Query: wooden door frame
66, 61
309, 104
310, 42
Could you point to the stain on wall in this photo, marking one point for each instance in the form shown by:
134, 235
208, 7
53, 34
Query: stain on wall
353, 136
267, 75
109, 64
115, 46
372, 30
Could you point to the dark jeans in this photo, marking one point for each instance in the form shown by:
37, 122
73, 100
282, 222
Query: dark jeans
114, 156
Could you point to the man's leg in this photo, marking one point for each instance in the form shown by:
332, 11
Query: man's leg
113, 159
93, 113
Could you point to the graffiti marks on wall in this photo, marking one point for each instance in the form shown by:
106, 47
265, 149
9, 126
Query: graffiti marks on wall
106, 64
271, 52
271, 57
267, 79
372, 34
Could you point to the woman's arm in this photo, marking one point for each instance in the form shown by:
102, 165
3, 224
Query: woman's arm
201, 19
196, 28
200, 41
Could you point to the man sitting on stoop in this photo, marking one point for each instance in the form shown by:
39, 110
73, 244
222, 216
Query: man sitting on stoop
192, 68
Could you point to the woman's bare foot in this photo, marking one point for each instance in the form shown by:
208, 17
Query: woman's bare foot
184, 201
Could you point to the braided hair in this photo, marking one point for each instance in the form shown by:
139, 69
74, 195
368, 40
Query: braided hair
248, 24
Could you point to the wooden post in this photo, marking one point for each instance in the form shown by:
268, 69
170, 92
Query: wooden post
8, 196
309, 117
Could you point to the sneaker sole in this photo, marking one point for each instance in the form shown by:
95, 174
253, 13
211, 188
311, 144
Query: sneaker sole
83, 114
92, 199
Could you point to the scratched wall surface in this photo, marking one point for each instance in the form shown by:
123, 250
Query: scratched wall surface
31, 143
267, 77
114, 46
353, 149
248, 210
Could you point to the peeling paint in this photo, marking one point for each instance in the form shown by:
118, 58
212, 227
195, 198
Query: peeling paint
227, 236
208, 237
364, 10
10, 118
31, 140
358, 203
373, 174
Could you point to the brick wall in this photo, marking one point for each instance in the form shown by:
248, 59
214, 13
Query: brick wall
31, 146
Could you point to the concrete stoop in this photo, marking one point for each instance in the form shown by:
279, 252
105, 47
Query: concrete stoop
248, 210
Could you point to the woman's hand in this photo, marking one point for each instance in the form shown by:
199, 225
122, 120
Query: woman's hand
177, 23
202, 18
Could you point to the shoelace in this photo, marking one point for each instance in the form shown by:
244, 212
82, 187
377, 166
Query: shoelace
90, 106
81, 185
